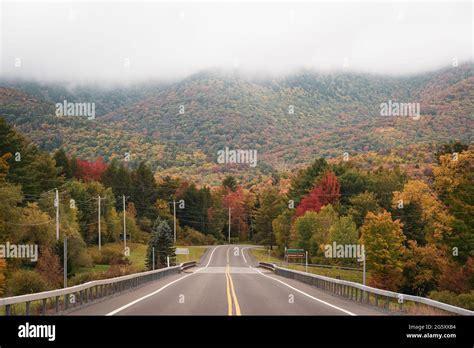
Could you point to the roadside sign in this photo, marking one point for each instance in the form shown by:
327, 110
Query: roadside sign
295, 253
182, 251
296, 256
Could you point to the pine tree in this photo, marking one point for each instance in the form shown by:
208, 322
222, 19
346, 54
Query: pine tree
144, 190
272, 205
162, 241
62, 162
230, 183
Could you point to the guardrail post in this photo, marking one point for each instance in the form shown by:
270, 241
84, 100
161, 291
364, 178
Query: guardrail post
43, 306
27, 308
56, 304
7, 310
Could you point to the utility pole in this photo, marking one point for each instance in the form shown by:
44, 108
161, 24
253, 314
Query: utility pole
363, 272
174, 223
124, 225
65, 261
229, 225
100, 237
306, 254
56, 204
153, 253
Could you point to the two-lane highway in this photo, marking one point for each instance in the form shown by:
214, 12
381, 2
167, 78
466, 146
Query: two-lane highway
227, 282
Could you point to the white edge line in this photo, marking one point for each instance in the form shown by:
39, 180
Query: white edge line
304, 293
160, 289
242, 252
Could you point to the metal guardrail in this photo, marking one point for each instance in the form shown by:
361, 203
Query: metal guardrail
283, 264
363, 293
188, 264
66, 299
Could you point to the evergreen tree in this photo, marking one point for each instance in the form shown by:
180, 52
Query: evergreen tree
144, 190
62, 162
230, 183
162, 241
271, 205
306, 179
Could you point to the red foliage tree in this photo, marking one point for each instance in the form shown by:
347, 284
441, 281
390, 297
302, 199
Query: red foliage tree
90, 171
327, 192
236, 202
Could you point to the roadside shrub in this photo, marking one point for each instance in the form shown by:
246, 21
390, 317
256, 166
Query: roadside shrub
24, 282
108, 256
464, 300
82, 278
189, 236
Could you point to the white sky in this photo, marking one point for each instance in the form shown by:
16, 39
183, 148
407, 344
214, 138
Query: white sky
85, 42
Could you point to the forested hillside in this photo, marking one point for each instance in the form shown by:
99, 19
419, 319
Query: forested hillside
179, 127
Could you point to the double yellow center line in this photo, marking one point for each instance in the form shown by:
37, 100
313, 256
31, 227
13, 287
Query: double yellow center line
231, 291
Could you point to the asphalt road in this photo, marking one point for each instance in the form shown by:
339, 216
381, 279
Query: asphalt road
226, 282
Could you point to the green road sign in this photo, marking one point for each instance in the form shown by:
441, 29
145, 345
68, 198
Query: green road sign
294, 251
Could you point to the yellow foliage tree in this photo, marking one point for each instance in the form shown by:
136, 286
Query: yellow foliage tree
435, 216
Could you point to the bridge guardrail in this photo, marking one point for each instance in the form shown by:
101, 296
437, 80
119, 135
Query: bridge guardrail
63, 300
366, 294
188, 264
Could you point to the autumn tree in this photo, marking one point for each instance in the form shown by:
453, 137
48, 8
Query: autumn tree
454, 183
326, 192
361, 204
90, 171
312, 231
305, 180
451, 148
29, 167
50, 268
383, 242
236, 202
343, 232
271, 205
423, 268
282, 226
431, 222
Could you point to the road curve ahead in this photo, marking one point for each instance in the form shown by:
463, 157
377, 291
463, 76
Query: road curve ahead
227, 282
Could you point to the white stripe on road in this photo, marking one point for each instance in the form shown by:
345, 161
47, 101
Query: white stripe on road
160, 289
242, 252
304, 293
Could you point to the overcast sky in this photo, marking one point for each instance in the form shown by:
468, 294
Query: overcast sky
130, 41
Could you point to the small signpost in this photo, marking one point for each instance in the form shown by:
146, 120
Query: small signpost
295, 253
128, 236
182, 251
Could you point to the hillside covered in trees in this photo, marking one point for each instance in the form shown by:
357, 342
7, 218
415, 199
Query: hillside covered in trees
178, 127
